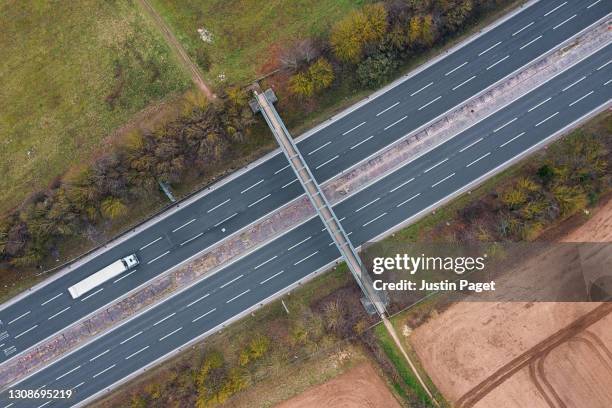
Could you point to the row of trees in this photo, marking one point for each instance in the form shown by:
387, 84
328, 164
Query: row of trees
92, 194
373, 41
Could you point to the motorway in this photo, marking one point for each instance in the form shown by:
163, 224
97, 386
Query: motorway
410, 190
329, 151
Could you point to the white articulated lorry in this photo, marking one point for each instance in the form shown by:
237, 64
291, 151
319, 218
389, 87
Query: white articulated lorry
104, 274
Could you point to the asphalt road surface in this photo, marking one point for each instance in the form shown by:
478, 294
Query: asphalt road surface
328, 152
497, 140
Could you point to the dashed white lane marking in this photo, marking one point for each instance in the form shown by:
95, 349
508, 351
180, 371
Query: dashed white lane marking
563, 22
556, 8
362, 142
130, 338
456, 68
218, 205
263, 263
58, 313
395, 123
374, 219
105, 370
99, 355
272, 277
443, 180
592, 4
551, 116
303, 259
44, 403
78, 385
573, 83
430, 102
198, 299
164, 319
20, 316
608, 81
385, 110
319, 148
124, 276
170, 334
408, 200
9, 405
68, 372
204, 315
258, 201
150, 243
539, 104
289, 183
504, 125
237, 296
478, 159
137, 352
417, 91
470, 145
184, 225
581, 98
499, 61
50, 300
356, 127
435, 165
327, 162
489, 49
225, 219
251, 186
524, 28
463, 83
27, 331
298, 244
604, 65
157, 257
192, 238
530, 42
401, 185
512, 140
91, 294
281, 169
230, 282
366, 205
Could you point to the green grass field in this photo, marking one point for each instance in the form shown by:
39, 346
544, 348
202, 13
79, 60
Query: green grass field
245, 30
71, 74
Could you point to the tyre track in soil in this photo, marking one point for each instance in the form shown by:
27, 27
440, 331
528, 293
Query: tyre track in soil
470, 398
177, 48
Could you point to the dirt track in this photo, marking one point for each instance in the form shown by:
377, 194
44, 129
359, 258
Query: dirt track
360, 387
524, 354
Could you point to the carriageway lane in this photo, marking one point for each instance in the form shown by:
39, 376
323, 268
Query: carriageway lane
307, 247
329, 151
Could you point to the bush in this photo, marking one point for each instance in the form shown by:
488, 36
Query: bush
318, 77
375, 70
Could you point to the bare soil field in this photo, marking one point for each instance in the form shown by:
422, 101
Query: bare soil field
360, 387
524, 354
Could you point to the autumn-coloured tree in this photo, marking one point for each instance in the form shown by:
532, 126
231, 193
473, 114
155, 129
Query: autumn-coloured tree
319, 76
